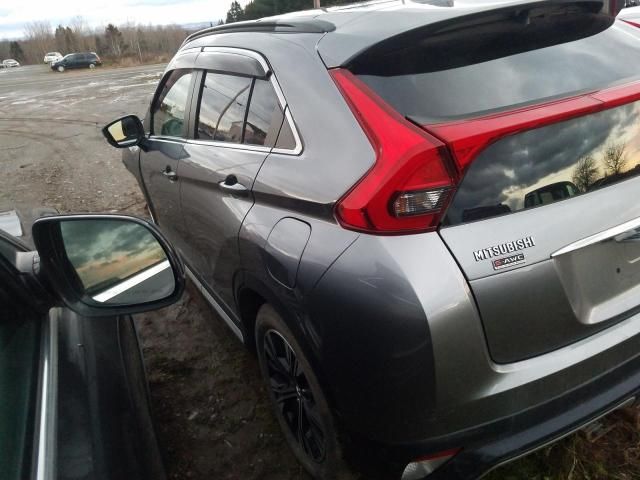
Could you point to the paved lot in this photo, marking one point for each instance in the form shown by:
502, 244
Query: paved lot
212, 416
51, 148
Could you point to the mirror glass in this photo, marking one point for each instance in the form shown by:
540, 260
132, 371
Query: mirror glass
125, 131
117, 262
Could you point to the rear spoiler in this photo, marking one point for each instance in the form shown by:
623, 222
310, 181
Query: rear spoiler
373, 29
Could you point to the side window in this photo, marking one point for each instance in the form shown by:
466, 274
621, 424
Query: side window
223, 115
264, 117
223, 105
286, 139
168, 113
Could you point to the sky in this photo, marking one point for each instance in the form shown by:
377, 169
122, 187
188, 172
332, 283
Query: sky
14, 14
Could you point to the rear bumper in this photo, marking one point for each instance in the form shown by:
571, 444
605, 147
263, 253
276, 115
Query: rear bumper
406, 363
488, 446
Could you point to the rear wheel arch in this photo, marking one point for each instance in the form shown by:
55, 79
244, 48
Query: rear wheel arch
256, 294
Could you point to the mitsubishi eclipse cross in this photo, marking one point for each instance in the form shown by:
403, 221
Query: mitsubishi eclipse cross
422, 216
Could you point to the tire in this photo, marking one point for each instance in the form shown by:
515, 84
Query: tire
298, 395
60, 68
92, 66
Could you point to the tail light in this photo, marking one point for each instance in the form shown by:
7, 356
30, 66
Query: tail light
408, 188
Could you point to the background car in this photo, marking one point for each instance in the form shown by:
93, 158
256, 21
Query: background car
52, 57
347, 188
10, 63
77, 60
75, 396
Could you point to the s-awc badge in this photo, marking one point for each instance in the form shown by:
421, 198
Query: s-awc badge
508, 261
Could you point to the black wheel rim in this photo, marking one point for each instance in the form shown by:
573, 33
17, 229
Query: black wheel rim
293, 396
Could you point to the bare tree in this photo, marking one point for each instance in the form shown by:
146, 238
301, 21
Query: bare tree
39, 39
614, 158
585, 173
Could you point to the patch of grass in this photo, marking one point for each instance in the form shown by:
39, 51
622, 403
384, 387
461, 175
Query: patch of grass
613, 456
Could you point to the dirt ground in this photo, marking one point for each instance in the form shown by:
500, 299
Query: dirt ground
212, 416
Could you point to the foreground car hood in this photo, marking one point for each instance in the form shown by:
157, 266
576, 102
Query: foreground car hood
18, 222
10, 223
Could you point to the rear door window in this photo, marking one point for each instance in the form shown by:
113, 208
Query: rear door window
168, 116
264, 117
237, 109
223, 106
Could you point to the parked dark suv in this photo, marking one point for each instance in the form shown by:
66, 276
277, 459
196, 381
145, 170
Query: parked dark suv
348, 188
77, 60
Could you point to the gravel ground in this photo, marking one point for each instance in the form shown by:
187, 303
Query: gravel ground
212, 416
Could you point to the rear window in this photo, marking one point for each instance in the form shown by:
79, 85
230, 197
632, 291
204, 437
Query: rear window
465, 71
550, 164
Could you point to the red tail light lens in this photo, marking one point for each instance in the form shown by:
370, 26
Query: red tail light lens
408, 188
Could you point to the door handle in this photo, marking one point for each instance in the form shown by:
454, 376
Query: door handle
231, 184
170, 174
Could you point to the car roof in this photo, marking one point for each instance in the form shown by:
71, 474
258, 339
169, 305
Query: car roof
350, 29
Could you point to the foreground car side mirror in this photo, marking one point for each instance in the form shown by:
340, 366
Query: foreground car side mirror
107, 264
124, 132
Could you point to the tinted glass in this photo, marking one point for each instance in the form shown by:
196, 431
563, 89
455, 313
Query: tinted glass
286, 140
222, 109
19, 352
264, 117
550, 164
168, 115
485, 68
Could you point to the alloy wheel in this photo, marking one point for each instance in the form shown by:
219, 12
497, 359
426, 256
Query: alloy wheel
293, 395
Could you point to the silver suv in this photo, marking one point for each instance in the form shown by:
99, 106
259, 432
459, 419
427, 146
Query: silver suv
423, 217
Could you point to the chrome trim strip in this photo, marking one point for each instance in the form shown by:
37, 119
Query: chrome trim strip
219, 310
160, 138
599, 237
624, 403
235, 146
46, 422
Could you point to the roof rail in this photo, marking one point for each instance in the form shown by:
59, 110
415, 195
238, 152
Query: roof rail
293, 26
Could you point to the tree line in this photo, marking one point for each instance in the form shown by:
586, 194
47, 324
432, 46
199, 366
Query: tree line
266, 8
139, 42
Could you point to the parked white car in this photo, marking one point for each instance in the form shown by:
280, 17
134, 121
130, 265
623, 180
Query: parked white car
10, 62
52, 57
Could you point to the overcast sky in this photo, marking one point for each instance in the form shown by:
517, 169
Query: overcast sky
14, 14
